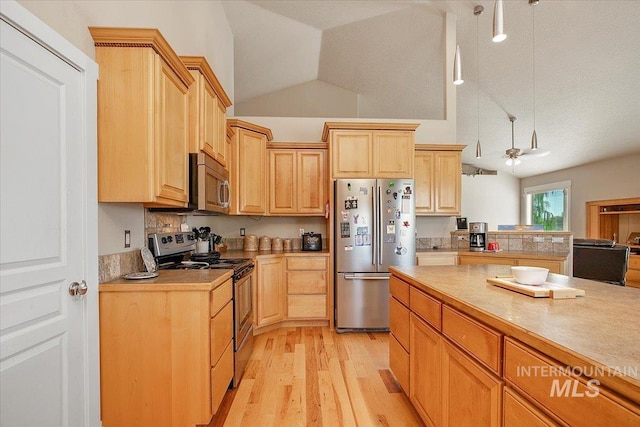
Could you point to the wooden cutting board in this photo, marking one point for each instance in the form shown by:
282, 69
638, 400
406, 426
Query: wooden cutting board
546, 290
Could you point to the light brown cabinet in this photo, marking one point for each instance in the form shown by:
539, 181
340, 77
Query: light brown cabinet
307, 287
248, 168
154, 342
517, 412
143, 113
438, 179
425, 371
297, 180
370, 150
271, 292
554, 266
208, 103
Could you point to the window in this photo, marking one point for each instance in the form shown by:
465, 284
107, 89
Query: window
548, 205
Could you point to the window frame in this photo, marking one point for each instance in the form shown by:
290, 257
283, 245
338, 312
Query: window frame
528, 192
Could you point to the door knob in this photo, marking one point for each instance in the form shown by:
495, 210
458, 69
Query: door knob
78, 290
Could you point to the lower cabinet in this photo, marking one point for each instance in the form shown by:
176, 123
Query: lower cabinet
554, 266
425, 371
166, 356
471, 396
517, 412
271, 292
307, 287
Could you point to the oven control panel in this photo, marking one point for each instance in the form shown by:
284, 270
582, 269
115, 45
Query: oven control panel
171, 243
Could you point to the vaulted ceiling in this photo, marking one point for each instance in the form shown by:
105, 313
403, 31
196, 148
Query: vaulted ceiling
389, 54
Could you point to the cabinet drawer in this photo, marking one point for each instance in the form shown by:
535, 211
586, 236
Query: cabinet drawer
633, 275
304, 306
482, 343
634, 262
307, 263
517, 412
220, 296
221, 332
307, 282
399, 363
399, 289
571, 398
426, 307
221, 376
399, 321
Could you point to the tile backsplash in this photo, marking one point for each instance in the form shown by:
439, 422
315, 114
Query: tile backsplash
517, 241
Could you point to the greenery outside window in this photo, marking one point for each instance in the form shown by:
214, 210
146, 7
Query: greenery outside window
548, 205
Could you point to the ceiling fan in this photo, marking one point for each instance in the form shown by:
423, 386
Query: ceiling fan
513, 154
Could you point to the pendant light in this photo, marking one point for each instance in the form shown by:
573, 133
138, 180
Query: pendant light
457, 61
534, 136
477, 11
498, 22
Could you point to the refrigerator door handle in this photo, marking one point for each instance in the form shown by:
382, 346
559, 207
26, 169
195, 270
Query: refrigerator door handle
374, 254
354, 277
380, 225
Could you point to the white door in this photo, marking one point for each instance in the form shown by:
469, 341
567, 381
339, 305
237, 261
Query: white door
49, 374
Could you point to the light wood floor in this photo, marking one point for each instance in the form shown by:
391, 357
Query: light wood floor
316, 377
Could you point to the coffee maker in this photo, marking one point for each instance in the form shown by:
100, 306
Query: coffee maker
477, 236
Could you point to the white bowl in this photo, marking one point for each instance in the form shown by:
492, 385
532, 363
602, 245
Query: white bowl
529, 275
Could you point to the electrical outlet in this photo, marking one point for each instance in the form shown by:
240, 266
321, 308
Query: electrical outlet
558, 239
301, 231
242, 231
127, 238
460, 237
538, 239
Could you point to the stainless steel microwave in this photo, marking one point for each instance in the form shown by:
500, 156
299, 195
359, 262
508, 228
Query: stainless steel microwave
208, 184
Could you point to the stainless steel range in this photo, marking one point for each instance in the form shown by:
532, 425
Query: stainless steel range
176, 251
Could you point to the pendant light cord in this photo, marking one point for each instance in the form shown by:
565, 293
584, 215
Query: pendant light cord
478, 71
533, 55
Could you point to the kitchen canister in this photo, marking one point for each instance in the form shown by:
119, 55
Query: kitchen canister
277, 244
250, 242
287, 244
265, 243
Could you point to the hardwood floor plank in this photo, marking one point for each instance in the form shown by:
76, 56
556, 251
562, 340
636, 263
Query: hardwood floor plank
314, 377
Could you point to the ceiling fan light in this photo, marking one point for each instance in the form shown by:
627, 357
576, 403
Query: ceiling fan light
513, 161
498, 22
457, 68
534, 141
478, 150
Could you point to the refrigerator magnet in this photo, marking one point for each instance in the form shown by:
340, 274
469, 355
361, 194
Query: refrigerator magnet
364, 191
345, 216
391, 229
348, 248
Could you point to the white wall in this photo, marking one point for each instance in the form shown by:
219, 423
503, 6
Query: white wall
493, 199
610, 179
197, 28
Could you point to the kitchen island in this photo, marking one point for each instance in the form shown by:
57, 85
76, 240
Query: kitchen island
461, 347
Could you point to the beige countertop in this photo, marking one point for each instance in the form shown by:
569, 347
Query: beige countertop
171, 280
598, 332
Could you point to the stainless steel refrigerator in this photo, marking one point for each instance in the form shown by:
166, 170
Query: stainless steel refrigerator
374, 229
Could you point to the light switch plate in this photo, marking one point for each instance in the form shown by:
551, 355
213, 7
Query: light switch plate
538, 239
557, 239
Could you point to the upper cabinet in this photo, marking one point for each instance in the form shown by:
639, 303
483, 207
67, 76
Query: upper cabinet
208, 111
248, 168
297, 179
143, 113
438, 179
370, 150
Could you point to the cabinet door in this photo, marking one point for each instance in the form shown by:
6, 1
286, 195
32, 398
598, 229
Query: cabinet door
282, 182
209, 142
471, 395
393, 154
473, 260
423, 175
171, 173
252, 168
311, 182
271, 291
425, 371
222, 147
447, 182
520, 413
351, 154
